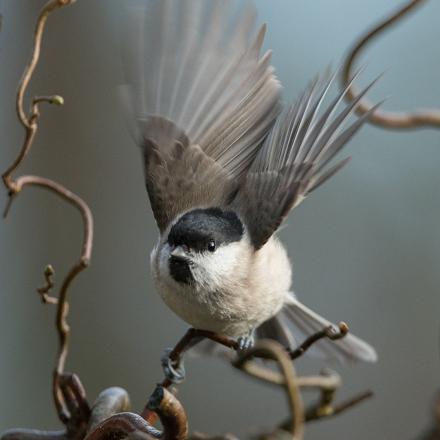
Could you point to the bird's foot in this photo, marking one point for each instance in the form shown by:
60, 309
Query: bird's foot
245, 342
174, 370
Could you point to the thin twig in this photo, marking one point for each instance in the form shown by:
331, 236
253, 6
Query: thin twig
387, 119
193, 336
44, 290
325, 407
330, 332
29, 122
30, 125
80, 265
350, 403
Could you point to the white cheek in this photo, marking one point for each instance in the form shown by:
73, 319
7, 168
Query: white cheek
214, 269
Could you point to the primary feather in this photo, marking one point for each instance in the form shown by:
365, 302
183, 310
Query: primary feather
203, 98
295, 158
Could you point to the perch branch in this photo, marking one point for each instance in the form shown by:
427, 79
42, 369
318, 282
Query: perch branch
189, 339
387, 119
193, 336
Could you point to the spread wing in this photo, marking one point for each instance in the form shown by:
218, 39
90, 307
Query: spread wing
202, 98
295, 159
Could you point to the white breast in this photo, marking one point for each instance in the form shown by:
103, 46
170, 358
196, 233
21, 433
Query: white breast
235, 289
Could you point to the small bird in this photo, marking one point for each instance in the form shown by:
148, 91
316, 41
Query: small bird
225, 164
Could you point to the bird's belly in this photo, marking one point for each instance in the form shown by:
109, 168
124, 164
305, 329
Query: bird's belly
230, 313
205, 315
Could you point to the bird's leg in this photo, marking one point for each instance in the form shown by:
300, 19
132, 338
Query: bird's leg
173, 369
172, 360
246, 342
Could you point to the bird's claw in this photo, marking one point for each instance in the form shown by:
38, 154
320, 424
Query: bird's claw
245, 342
174, 371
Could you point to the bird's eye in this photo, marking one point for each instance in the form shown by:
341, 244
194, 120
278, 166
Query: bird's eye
211, 245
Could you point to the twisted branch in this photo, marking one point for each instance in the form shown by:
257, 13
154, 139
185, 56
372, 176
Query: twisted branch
330, 332
29, 121
273, 350
387, 119
131, 425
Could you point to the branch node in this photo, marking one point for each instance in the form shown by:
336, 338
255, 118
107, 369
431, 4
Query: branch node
11, 196
335, 333
52, 99
44, 290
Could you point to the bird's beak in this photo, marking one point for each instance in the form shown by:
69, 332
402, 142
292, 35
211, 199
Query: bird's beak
178, 251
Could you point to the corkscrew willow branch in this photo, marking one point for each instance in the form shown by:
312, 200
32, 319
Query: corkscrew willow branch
29, 121
383, 118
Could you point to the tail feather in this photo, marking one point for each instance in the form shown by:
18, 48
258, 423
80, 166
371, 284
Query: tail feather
303, 322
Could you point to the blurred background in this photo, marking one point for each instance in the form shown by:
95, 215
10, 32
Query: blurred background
366, 247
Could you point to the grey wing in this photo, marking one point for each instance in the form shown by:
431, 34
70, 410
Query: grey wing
295, 159
201, 97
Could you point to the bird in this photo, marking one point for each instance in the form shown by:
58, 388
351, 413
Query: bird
225, 162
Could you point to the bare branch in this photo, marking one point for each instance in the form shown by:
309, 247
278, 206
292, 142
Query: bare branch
109, 402
273, 350
387, 119
330, 332
80, 265
328, 383
30, 124
130, 425
44, 290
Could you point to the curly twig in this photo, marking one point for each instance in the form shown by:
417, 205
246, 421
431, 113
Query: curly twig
273, 350
44, 290
29, 122
130, 425
15, 186
387, 119
328, 384
330, 332
109, 402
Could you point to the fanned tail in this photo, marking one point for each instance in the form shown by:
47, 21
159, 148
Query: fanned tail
296, 322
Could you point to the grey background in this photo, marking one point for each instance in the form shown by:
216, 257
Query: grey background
366, 247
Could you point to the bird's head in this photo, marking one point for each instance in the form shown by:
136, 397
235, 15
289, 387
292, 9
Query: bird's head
205, 247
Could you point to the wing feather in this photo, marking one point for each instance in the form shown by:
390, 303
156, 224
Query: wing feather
296, 158
196, 80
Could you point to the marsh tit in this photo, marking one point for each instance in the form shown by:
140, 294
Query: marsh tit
225, 164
